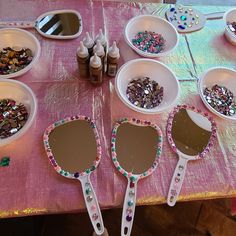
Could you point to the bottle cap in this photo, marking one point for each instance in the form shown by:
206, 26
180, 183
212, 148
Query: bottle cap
114, 51
82, 51
99, 49
101, 37
95, 61
88, 41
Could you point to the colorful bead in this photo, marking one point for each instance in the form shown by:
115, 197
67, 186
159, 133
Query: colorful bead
89, 198
130, 203
95, 216
88, 191
131, 193
128, 218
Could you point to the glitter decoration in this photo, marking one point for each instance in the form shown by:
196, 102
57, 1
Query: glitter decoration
89, 198
14, 59
128, 218
13, 117
130, 203
149, 41
5, 161
221, 99
144, 93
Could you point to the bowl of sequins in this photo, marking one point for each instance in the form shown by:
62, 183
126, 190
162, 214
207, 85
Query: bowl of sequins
19, 52
18, 107
217, 89
151, 36
147, 86
230, 26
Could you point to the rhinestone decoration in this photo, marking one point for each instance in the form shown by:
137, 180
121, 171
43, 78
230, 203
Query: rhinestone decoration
128, 218
149, 41
221, 99
130, 203
88, 191
131, 193
89, 198
12, 117
95, 216
144, 93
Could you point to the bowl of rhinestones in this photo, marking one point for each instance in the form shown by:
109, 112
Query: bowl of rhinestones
19, 52
18, 106
230, 26
147, 86
151, 36
217, 89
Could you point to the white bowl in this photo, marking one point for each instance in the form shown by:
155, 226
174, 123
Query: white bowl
156, 24
155, 71
21, 93
230, 16
220, 76
11, 37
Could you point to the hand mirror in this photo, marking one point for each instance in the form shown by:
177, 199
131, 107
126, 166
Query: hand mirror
188, 19
60, 24
190, 134
135, 149
73, 148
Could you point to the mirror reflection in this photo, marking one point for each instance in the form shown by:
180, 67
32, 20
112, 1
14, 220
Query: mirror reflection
191, 132
136, 147
63, 24
73, 145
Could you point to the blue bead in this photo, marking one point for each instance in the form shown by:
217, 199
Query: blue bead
181, 27
172, 9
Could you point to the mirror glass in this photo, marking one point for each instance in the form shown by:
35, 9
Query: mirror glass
136, 147
191, 132
63, 24
73, 145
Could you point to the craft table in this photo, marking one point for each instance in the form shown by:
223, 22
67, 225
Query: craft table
30, 186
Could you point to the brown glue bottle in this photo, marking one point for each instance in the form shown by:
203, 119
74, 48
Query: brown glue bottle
99, 50
112, 60
89, 43
82, 56
95, 69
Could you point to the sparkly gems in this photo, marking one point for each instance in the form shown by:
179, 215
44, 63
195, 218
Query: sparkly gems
183, 18
89, 198
149, 41
181, 26
131, 185
221, 99
130, 203
144, 93
128, 218
88, 191
76, 175
129, 211
95, 216
93, 208
5, 161
131, 193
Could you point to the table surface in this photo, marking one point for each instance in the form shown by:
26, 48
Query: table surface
30, 186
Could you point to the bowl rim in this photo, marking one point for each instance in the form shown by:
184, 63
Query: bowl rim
31, 117
227, 12
35, 57
139, 109
147, 54
200, 91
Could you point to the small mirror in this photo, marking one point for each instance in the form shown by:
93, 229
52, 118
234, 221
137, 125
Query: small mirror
74, 150
190, 134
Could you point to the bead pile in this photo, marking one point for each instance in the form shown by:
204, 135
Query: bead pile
14, 59
144, 93
232, 27
221, 99
12, 117
149, 41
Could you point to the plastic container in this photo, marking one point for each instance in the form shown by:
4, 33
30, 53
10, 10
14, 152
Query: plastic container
101, 37
112, 60
89, 43
82, 56
95, 69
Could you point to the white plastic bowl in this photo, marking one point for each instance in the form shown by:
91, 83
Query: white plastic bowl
230, 16
156, 24
155, 71
220, 76
21, 93
11, 37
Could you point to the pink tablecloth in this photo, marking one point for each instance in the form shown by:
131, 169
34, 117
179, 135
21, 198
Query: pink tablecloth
31, 186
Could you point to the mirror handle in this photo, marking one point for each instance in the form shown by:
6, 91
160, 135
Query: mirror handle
92, 205
177, 181
129, 208
17, 24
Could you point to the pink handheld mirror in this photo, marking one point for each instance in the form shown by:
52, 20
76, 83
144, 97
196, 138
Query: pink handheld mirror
190, 133
73, 148
135, 147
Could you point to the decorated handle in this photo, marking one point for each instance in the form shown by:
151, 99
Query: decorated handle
129, 208
177, 181
214, 16
17, 24
92, 205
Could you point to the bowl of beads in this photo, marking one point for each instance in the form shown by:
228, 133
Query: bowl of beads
147, 86
19, 52
217, 89
18, 106
151, 36
230, 27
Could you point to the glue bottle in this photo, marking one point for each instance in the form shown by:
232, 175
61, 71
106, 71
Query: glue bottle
99, 50
112, 60
82, 56
95, 69
89, 43
101, 37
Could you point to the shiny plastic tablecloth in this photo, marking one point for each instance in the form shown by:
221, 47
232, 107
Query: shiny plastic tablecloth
31, 186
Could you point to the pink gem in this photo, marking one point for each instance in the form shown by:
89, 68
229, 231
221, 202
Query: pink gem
93, 208
129, 211
95, 216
